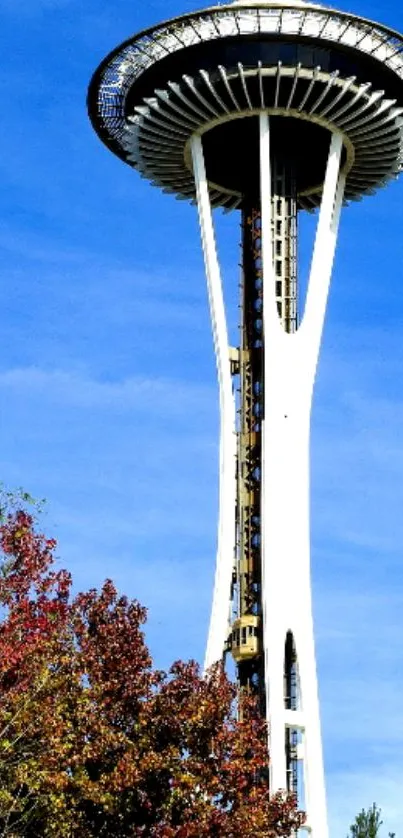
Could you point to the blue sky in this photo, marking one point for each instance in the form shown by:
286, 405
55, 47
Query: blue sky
109, 401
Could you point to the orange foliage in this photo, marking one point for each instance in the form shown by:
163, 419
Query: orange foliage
95, 741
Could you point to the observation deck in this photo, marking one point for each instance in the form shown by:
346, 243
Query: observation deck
312, 68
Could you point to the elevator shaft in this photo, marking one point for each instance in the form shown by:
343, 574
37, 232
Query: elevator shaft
246, 635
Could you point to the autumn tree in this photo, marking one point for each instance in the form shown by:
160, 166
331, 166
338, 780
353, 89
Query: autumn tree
94, 741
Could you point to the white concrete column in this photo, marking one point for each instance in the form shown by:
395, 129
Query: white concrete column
220, 614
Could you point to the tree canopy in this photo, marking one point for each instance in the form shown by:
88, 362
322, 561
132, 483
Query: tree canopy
94, 740
368, 823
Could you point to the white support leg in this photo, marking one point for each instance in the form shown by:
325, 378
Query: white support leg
220, 615
324, 251
290, 365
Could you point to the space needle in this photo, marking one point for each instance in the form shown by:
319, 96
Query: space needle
270, 110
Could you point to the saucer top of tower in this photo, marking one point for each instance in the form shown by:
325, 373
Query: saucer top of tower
313, 68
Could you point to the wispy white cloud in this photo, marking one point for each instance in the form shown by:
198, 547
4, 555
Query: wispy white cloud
358, 442
357, 553
168, 396
134, 517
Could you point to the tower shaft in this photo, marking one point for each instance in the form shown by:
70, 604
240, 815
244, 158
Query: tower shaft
248, 605
272, 637
266, 107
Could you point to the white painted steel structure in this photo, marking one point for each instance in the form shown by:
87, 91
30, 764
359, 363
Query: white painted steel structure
290, 365
166, 102
221, 608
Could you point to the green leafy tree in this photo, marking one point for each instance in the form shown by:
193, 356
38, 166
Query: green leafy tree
368, 823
